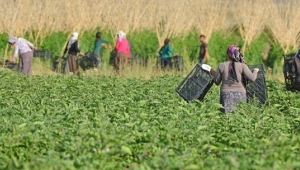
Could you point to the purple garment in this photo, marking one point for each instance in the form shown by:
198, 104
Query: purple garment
22, 46
230, 99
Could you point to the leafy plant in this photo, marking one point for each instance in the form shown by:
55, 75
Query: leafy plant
91, 122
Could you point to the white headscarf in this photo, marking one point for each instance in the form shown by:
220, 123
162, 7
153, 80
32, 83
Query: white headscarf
121, 34
73, 39
12, 39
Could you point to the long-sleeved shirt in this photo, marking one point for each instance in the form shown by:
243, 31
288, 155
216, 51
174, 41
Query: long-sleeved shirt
229, 84
74, 49
98, 45
122, 46
22, 46
166, 51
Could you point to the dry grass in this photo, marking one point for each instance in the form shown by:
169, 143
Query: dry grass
135, 71
284, 22
165, 17
251, 20
40, 68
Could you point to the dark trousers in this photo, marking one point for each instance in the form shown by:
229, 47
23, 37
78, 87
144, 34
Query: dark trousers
97, 60
166, 62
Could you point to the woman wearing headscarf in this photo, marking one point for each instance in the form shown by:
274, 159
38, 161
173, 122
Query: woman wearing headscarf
72, 48
231, 73
123, 51
23, 49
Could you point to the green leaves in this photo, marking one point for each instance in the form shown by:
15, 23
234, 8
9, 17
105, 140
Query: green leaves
66, 122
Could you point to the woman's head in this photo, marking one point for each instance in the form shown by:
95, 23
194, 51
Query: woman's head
98, 35
234, 53
121, 34
74, 35
167, 41
12, 40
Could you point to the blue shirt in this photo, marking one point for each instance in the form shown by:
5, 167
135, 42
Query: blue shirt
166, 51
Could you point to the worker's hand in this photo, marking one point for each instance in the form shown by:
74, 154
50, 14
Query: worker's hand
212, 72
104, 46
35, 48
255, 70
11, 60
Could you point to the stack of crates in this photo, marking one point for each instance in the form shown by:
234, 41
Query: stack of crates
43, 54
289, 71
177, 61
257, 89
195, 85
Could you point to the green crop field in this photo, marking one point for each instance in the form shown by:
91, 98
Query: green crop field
98, 122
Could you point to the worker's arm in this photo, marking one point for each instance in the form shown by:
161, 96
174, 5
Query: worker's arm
205, 54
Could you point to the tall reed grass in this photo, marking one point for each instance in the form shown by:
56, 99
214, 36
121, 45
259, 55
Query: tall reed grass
166, 17
37, 19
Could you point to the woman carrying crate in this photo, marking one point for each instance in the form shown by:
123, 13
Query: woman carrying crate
231, 73
72, 48
24, 50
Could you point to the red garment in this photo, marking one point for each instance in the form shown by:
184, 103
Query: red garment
122, 46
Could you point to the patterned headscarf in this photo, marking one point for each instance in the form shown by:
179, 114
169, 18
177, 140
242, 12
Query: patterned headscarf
234, 53
12, 39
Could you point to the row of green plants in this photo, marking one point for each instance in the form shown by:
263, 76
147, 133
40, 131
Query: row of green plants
264, 49
97, 122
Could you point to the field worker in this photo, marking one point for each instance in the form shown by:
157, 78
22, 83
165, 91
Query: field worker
203, 53
99, 42
122, 51
165, 53
230, 74
72, 48
23, 49
297, 63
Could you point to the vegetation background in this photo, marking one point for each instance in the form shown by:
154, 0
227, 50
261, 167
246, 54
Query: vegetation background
112, 122
264, 29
